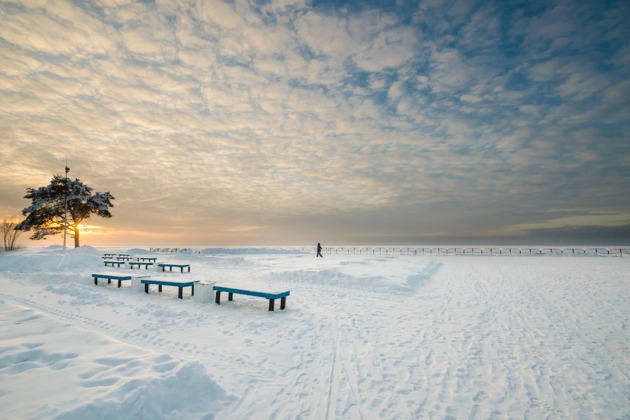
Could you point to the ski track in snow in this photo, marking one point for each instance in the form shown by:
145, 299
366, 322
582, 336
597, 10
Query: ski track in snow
399, 338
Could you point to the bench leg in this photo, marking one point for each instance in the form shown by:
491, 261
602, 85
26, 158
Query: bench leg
146, 288
271, 302
109, 281
230, 296
283, 303
95, 281
119, 281
193, 290
189, 269
217, 298
160, 288
163, 268
181, 293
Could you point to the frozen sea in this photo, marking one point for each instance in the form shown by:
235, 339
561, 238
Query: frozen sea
362, 337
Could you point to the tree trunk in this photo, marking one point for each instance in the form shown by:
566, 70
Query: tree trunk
76, 237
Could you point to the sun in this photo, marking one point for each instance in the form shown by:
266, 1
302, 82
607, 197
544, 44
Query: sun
86, 230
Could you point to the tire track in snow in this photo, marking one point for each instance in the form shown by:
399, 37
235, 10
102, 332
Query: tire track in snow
331, 376
147, 334
339, 376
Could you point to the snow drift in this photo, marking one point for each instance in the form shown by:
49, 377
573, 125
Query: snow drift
363, 336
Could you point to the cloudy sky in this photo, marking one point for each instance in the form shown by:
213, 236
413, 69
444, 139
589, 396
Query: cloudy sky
288, 122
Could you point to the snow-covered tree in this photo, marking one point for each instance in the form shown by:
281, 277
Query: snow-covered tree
46, 215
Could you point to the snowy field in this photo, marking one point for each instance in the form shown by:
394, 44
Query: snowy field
363, 337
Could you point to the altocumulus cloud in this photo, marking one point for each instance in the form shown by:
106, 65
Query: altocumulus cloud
276, 121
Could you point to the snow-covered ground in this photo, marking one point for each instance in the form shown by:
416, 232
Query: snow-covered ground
363, 337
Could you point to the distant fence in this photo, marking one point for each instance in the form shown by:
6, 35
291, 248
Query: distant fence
469, 251
436, 251
170, 250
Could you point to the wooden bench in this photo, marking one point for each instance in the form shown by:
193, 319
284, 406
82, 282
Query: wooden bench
170, 266
118, 263
271, 296
113, 276
174, 283
139, 263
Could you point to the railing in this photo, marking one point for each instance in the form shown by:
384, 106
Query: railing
342, 250
468, 251
169, 250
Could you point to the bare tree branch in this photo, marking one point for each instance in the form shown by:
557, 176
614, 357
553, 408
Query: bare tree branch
9, 234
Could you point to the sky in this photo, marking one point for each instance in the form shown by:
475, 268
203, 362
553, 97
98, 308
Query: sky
282, 122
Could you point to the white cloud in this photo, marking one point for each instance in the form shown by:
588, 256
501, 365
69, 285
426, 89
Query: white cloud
387, 50
450, 72
325, 35
471, 98
220, 13
277, 6
280, 108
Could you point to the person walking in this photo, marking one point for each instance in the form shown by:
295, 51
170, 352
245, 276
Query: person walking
319, 250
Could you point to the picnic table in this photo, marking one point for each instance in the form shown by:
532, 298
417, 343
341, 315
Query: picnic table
174, 283
140, 263
114, 276
118, 263
272, 296
170, 266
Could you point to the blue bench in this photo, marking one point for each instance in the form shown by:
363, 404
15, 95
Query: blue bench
111, 276
150, 259
271, 296
170, 266
118, 263
123, 258
179, 284
138, 263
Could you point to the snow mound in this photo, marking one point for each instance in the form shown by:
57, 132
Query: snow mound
249, 251
86, 249
109, 379
185, 391
33, 260
366, 280
138, 251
